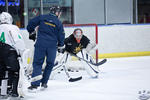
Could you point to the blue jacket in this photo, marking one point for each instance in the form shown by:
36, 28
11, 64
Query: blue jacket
50, 31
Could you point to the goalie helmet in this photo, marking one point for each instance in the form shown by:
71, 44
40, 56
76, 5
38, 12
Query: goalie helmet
55, 9
78, 33
5, 18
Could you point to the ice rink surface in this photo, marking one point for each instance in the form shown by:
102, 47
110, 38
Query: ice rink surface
119, 79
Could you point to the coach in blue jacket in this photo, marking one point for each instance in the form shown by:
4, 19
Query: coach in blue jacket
50, 37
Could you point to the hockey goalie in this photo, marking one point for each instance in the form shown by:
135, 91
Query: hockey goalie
79, 45
12, 47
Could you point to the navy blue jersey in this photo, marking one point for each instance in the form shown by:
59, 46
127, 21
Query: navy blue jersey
73, 47
50, 31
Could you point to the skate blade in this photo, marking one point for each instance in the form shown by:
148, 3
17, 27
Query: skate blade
32, 91
3, 97
14, 98
42, 88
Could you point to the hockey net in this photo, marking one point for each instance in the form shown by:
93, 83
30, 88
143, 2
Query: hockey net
89, 30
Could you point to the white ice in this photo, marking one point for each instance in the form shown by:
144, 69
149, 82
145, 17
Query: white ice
119, 79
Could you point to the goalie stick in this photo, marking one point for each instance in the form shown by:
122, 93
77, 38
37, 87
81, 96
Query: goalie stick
95, 64
71, 79
63, 64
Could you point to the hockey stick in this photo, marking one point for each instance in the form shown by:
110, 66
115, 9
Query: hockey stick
95, 64
63, 64
33, 79
71, 79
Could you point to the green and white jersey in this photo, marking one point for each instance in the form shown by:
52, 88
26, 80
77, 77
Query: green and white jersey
10, 34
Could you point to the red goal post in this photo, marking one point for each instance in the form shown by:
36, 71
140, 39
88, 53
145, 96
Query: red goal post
89, 30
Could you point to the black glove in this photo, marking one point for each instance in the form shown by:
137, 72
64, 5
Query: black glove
32, 36
61, 49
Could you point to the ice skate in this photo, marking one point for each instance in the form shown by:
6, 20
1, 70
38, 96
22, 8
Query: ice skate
32, 89
43, 86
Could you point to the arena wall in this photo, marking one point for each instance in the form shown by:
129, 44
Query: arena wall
117, 40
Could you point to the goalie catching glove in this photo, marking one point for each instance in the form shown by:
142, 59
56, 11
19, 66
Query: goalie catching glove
90, 47
32, 36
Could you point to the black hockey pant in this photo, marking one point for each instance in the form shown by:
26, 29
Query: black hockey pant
9, 62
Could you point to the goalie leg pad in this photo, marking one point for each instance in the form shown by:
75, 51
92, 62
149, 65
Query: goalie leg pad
92, 70
4, 84
89, 69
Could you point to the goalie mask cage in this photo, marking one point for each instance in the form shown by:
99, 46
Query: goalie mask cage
89, 30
